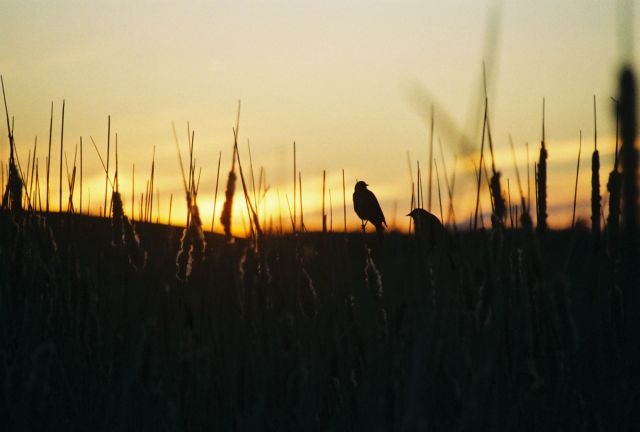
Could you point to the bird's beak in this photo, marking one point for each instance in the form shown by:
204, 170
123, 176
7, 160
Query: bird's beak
408, 214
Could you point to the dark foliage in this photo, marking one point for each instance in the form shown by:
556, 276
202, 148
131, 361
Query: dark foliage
313, 332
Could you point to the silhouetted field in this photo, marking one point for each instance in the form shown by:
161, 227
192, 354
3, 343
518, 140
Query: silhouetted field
310, 332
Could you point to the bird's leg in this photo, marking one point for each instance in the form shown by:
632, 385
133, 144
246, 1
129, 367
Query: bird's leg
364, 224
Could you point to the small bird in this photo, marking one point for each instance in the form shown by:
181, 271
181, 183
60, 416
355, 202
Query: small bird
367, 207
428, 227
432, 236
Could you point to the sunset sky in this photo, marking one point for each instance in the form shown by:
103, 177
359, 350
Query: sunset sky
351, 82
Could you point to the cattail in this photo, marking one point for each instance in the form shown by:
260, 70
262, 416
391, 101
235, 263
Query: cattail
527, 224
13, 193
541, 181
370, 269
630, 243
628, 152
595, 184
225, 217
308, 299
117, 220
124, 235
613, 186
183, 261
192, 242
500, 210
199, 244
192, 245
137, 256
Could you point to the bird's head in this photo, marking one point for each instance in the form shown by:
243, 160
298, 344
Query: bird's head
361, 185
417, 213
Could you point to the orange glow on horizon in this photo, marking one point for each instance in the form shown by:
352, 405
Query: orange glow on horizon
276, 216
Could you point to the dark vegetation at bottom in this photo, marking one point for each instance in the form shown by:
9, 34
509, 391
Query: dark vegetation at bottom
311, 332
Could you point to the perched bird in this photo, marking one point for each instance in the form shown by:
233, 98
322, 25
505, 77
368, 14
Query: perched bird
428, 228
367, 207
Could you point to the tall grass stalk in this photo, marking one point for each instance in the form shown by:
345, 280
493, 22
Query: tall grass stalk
498, 207
324, 214
253, 181
344, 203
133, 192
509, 202
81, 174
302, 227
61, 155
49, 154
420, 193
528, 178
290, 213
295, 173
479, 171
33, 168
254, 222
115, 175
439, 193
448, 183
106, 180
575, 191
595, 183
430, 160
330, 212
215, 196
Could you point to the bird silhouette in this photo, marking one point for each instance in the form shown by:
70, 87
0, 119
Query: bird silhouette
428, 228
432, 236
367, 207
